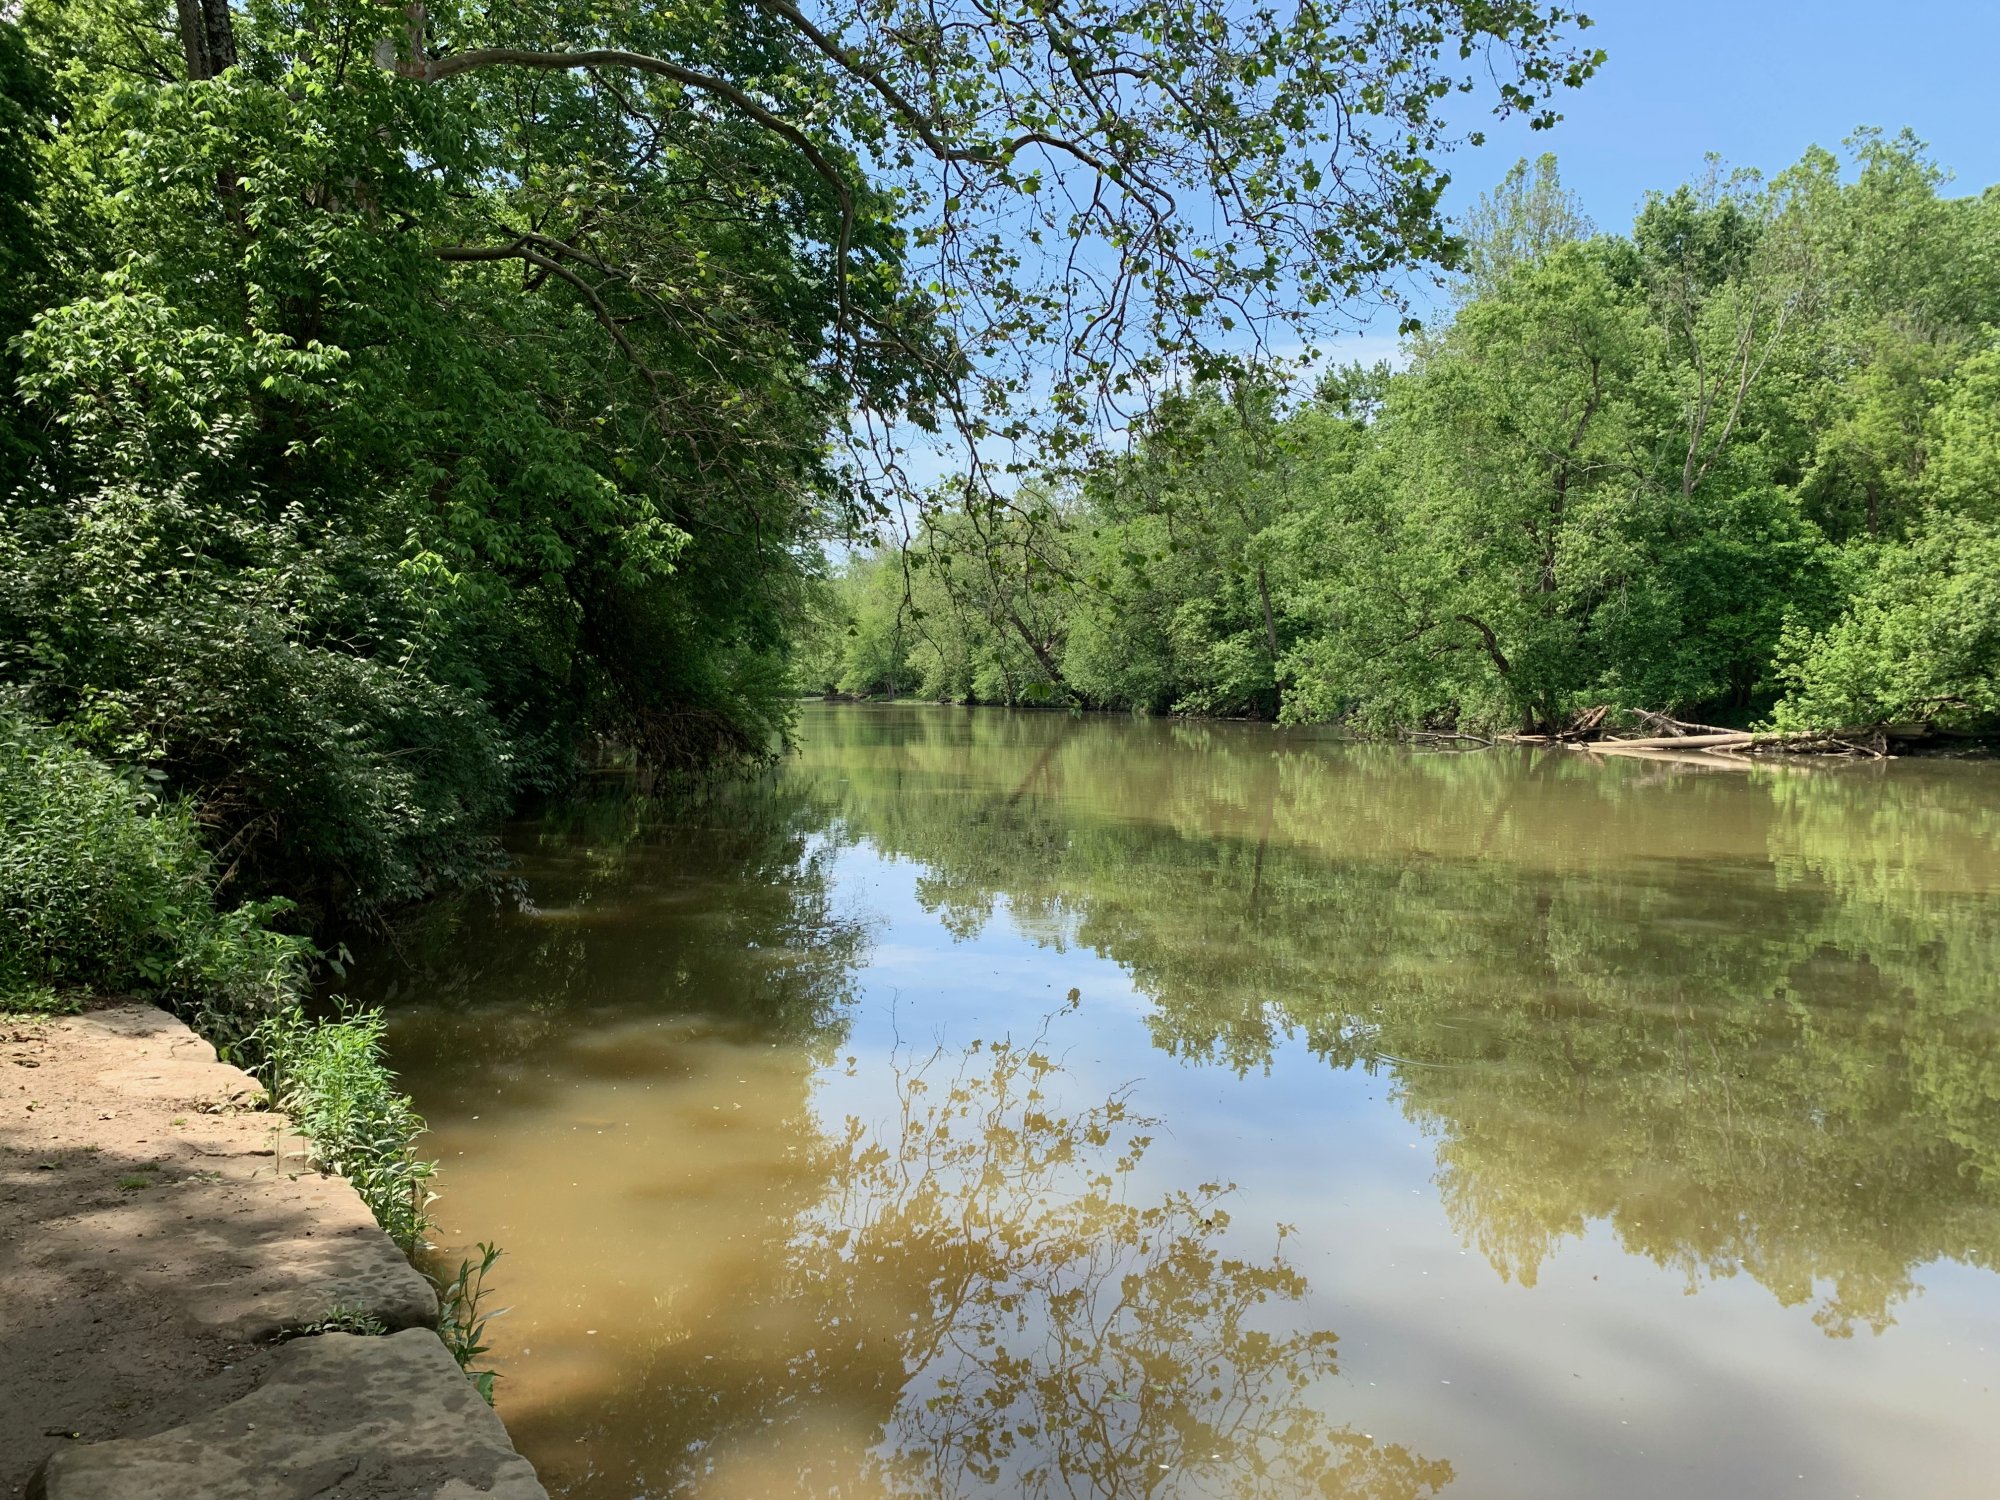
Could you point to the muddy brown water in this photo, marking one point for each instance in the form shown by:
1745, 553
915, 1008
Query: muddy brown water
993, 1104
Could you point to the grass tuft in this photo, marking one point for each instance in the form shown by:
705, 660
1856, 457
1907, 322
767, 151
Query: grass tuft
21, 998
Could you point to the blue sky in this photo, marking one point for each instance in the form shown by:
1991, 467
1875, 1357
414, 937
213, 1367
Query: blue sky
1759, 81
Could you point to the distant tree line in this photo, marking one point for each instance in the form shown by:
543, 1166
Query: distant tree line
1741, 464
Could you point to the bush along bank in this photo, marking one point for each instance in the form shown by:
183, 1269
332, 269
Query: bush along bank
106, 888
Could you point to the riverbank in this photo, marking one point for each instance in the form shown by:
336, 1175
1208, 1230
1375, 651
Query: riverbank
178, 1290
1646, 735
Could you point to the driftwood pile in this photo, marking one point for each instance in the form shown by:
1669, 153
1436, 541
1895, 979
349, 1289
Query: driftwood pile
1671, 738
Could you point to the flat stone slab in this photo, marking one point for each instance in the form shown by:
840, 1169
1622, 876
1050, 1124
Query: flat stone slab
338, 1417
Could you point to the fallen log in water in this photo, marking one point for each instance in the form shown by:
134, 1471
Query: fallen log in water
1678, 728
1716, 741
1872, 743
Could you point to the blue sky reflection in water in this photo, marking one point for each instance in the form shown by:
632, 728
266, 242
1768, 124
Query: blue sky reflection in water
1497, 1126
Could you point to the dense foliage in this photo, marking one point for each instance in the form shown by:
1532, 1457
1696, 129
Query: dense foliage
401, 400
106, 889
351, 541
105, 886
1742, 463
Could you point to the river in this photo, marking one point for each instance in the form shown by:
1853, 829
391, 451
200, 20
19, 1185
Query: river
990, 1104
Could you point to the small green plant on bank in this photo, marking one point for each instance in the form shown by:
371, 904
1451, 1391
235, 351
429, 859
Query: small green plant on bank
330, 1078
461, 1322
38, 1000
339, 1318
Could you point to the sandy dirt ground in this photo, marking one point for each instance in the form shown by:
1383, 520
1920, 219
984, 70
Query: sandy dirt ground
159, 1234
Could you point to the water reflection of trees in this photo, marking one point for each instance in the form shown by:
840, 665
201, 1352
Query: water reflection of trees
718, 904
978, 1304
1768, 1044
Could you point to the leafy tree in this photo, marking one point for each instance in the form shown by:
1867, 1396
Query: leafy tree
1470, 570
1521, 222
333, 530
1642, 473
23, 248
1962, 440
1919, 640
877, 629
428, 392
1181, 612
985, 607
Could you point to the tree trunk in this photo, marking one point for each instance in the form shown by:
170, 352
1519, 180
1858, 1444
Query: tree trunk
1270, 623
1040, 651
208, 37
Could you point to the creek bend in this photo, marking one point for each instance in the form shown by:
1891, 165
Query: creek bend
997, 1104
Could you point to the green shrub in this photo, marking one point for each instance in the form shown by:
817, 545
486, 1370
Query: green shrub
330, 1078
275, 667
105, 886
1919, 639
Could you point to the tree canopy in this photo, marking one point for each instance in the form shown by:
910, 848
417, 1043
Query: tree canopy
1738, 464
403, 398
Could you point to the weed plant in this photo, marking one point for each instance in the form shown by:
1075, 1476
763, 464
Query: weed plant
340, 1318
462, 1320
19, 999
330, 1077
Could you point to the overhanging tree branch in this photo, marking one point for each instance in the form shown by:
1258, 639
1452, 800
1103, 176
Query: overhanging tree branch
523, 252
918, 122
427, 69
